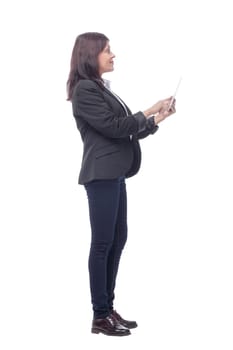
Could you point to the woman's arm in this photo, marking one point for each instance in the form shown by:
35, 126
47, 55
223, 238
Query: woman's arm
88, 104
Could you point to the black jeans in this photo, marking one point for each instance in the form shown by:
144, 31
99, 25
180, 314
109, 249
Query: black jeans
108, 217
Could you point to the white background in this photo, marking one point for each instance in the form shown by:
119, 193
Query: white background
175, 276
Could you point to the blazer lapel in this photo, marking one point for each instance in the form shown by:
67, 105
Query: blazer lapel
119, 100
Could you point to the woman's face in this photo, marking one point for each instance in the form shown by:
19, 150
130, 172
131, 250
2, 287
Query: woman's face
105, 60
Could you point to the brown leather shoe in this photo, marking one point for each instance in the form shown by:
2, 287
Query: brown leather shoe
109, 326
125, 323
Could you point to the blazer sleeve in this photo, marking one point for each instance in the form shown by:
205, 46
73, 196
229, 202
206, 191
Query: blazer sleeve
90, 105
150, 129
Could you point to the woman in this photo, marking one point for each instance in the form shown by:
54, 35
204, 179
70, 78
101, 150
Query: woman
111, 153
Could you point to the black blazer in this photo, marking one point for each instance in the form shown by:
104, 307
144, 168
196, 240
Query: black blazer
110, 137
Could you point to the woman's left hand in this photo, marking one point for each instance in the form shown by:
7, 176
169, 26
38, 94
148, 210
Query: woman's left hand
166, 111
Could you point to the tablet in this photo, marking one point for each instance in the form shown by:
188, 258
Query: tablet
174, 95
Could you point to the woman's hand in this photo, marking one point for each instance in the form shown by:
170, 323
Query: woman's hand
165, 111
158, 107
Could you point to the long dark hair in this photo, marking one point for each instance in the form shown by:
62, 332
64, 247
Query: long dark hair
84, 59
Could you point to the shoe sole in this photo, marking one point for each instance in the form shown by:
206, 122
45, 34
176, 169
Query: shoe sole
97, 331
